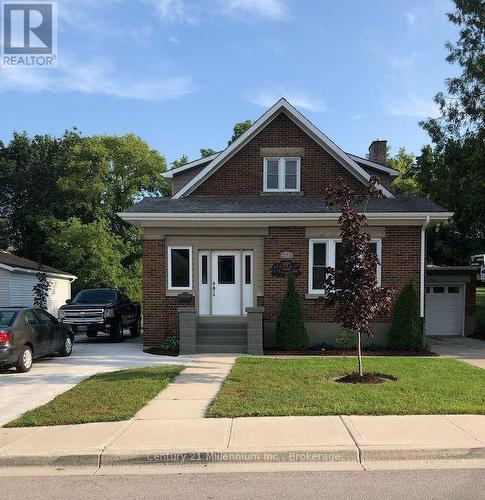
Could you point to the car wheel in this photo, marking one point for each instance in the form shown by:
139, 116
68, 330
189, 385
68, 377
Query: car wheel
26, 358
135, 329
117, 334
91, 335
66, 347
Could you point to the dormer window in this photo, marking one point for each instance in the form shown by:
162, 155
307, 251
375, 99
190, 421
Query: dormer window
282, 174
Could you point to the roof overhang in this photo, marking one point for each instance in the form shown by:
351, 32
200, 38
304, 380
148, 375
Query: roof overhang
281, 106
169, 174
49, 274
276, 219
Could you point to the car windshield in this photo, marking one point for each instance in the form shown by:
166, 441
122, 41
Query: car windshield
7, 317
95, 297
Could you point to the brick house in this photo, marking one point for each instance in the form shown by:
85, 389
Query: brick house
215, 254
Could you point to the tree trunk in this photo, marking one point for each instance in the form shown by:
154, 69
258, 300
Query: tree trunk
359, 352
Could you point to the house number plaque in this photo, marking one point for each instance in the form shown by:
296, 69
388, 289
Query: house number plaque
285, 268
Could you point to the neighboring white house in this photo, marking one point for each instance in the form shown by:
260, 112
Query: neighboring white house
18, 276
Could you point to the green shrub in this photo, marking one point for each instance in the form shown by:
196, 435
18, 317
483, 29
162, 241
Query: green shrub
291, 334
346, 338
406, 333
170, 343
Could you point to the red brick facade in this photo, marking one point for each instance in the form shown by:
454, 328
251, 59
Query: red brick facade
243, 173
400, 264
159, 310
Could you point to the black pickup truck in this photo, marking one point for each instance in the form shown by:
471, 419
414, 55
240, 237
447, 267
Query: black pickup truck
105, 310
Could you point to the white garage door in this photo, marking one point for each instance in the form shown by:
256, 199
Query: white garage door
444, 309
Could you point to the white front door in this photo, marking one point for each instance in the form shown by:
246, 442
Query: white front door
226, 283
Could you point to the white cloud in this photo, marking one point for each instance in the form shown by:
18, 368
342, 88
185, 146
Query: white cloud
411, 105
410, 17
274, 9
171, 10
297, 99
97, 77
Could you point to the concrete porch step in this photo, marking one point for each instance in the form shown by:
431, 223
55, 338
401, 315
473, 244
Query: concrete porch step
221, 340
218, 348
209, 327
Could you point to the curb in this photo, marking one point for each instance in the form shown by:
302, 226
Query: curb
401, 454
89, 459
330, 455
335, 454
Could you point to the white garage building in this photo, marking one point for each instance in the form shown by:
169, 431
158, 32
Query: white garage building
450, 301
18, 276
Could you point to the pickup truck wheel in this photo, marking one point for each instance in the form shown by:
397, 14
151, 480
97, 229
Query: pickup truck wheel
135, 329
117, 333
24, 362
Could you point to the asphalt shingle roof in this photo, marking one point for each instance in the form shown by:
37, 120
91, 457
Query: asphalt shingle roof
275, 204
13, 261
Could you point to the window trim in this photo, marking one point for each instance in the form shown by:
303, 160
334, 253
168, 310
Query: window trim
178, 247
281, 174
328, 250
330, 259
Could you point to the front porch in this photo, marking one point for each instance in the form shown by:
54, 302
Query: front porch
220, 334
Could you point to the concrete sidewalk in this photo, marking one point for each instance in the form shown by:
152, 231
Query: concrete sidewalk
191, 392
350, 441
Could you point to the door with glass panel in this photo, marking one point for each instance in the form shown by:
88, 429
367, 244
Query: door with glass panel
226, 283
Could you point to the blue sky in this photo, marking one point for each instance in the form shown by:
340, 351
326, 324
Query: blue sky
180, 73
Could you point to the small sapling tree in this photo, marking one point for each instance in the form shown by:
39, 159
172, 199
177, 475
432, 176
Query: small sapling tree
352, 286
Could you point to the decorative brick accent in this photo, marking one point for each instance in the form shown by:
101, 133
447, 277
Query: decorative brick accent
243, 173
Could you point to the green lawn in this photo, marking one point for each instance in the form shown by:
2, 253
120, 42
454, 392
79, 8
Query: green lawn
105, 397
300, 386
480, 312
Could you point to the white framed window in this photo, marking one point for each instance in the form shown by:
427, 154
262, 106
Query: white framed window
180, 268
325, 253
282, 174
319, 259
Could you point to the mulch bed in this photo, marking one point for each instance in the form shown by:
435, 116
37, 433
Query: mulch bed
346, 352
367, 378
160, 352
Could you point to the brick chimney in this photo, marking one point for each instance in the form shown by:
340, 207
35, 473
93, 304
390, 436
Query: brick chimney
378, 152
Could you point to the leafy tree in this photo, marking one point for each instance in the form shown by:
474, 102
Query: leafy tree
352, 287
405, 184
452, 171
406, 332
46, 182
95, 255
183, 160
205, 152
291, 333
41, 289
239, 130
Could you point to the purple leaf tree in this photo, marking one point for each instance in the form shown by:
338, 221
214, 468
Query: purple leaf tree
352, 287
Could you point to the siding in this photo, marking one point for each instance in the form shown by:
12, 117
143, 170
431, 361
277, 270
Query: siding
4, 287
21, 291
60, 291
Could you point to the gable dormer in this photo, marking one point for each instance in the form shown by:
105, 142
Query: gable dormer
282, 152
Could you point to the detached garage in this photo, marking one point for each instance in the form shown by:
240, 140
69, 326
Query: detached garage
18, 276
450, 301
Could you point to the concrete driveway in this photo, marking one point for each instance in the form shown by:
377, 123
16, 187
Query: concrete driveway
471, 351
51, 376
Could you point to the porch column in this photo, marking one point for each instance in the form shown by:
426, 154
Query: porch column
255, 330
187, 317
